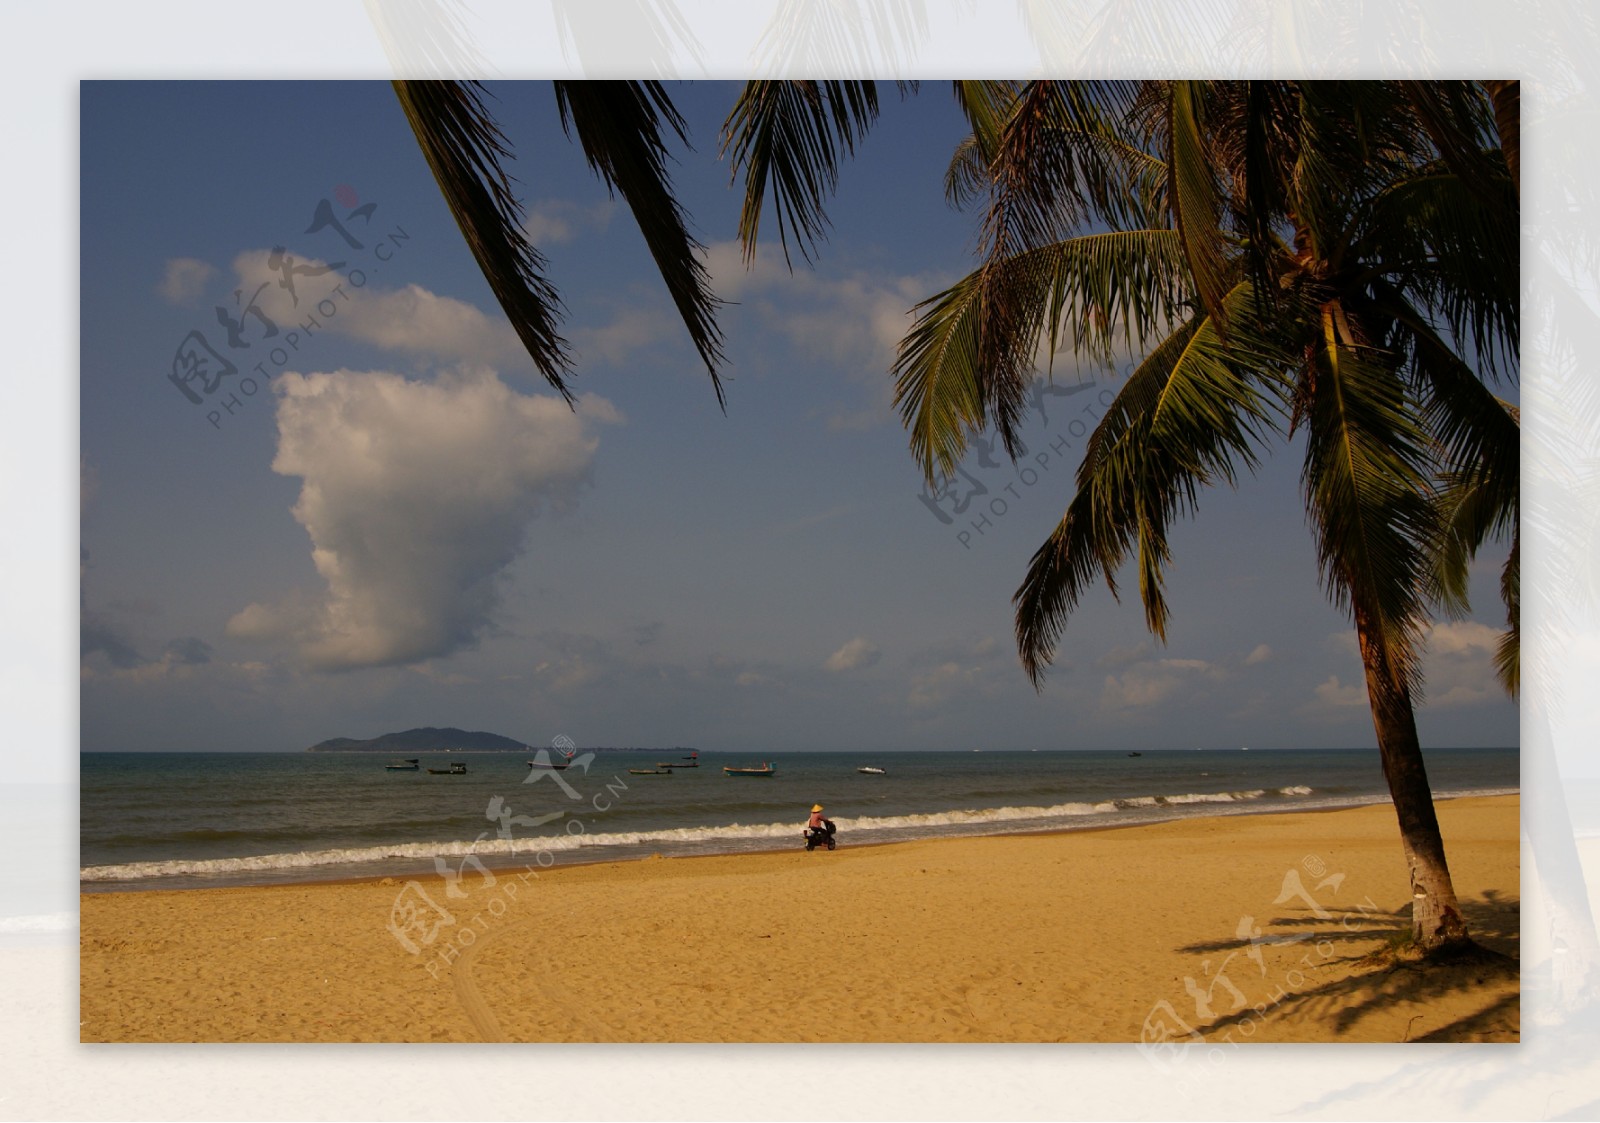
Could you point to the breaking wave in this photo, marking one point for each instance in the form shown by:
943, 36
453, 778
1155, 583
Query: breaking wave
731, 835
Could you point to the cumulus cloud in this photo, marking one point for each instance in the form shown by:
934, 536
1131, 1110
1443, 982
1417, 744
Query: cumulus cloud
1460, 665
558, 221
853, 319
185, 280
932, 688
1261, 654
411, 320
858, 654
632, 330
1151, 683
416, 497
1335, 695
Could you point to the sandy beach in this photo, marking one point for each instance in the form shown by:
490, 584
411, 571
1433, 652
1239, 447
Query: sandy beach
1240, 928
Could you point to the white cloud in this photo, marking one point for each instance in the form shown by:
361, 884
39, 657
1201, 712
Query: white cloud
1156, 681
416, 496
1459, 665
185, 279
851, 319
1335, 695
859, 653
1260, 655
934, 687
1467, 637
411, 320
552, 222
631, 331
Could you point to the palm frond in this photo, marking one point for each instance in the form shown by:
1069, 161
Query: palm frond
1456, 251
465, 151
619, 126
1188, 417
1194, 195
1507, 98
974, 345
789, 137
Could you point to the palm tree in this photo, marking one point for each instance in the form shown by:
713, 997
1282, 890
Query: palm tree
1337, 258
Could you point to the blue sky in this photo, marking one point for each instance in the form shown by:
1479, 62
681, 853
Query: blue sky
642, 570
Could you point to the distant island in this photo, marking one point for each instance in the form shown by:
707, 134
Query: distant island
431, 740
428, 740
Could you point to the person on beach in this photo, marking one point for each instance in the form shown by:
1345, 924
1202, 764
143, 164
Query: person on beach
819, 830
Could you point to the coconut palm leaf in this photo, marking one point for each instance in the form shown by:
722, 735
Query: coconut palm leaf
1189, 416
1194, 194
1086, 294
619, 126
789, 137
1454, 248
465, 151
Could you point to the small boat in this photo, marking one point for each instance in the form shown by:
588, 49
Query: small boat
408, 765
693, 761
1136, 754
556, 764
765, 769
868, 770
457, 768
649, 772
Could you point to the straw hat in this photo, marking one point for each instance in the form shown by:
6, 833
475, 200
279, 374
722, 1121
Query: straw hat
816, 807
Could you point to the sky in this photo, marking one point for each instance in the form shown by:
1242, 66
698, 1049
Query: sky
384, 518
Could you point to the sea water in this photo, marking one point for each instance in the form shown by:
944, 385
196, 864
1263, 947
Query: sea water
165, 820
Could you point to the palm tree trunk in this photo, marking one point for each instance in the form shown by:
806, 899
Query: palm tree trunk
1436, 921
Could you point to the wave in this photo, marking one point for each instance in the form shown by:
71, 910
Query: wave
675, 836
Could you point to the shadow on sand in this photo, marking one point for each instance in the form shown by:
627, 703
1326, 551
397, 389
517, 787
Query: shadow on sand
1374, 979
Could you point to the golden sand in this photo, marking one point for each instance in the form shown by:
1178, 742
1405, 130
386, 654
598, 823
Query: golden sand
1243, 928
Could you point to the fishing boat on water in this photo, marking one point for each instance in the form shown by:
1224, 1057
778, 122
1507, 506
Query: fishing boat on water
457, 768
869, 770
410, 764
555, 764
764, 769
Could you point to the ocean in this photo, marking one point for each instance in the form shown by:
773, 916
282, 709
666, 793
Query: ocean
186, 820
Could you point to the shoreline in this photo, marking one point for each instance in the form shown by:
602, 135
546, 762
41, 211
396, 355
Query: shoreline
1079, 935
582, 854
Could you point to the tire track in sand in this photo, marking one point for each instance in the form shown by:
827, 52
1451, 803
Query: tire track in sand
558, 998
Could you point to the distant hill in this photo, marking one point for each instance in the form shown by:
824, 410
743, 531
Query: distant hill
427, 740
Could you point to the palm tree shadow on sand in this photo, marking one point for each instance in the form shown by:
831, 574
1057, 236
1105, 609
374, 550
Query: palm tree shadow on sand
1372, 981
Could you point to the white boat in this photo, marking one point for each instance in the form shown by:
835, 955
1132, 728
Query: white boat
868, 770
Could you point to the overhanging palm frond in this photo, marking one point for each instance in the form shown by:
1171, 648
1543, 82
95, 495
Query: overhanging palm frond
1455, 249
790, 137
1188, 417
619, 125
971, 353
1194, 195
1507, 98
1460, 122
464, 149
